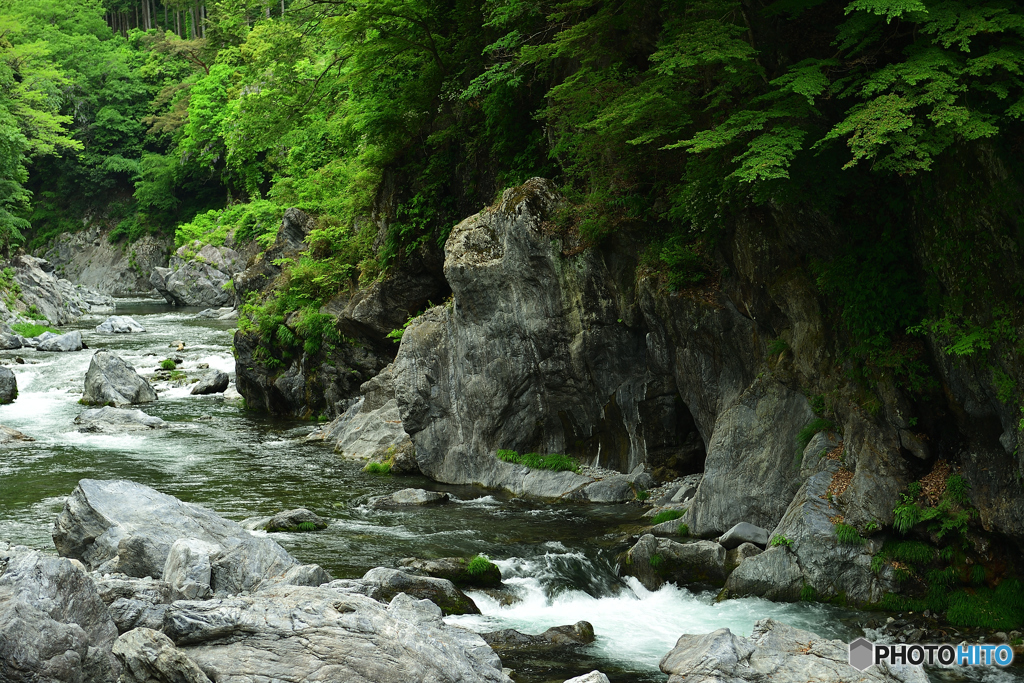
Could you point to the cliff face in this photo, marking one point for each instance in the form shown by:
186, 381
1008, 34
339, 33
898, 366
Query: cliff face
91, 260
546, 347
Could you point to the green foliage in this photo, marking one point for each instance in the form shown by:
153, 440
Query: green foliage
808, 593
479, 565
666, 516
306, 526
655, 560
805, 435
168, 364
782, 540
683, 529
777, 346
377, 468
847, 535
555, 462
29, 330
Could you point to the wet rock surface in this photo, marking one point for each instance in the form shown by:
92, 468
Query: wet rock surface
454, 569
409, 497
383, 584
653, 561
215, 382
8, 385
580, 633
114, 420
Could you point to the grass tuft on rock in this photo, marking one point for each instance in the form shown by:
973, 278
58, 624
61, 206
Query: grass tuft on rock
555, 462
848, 535
29, 330
378, 468
666, 516
807, 433
683, 530
306, 526
479, 565
168, 364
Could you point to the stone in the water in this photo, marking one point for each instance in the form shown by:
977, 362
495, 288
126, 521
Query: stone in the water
114, 382
774, 652
744, 533
130, 528
594, 676
384, 584
213, 383
120, 324
456, 570
580, 633
71, 341
9, 436
112, 420
410, 497
53, 624
298, 519
656, 560
9, 341
8, 385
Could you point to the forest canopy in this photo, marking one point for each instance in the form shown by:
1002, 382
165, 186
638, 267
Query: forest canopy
669, 114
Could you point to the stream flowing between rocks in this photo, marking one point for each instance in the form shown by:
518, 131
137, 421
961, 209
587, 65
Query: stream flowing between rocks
560, 559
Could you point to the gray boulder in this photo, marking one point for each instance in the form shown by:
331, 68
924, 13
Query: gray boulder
133, 602
409, 497
744, 533
737, 556
62, 343
56, 299
111, 381
292, 633
113, 420
580, 633
130, 528
53, 625
774, 652
198, 279
616, 488
148, 656
384, 584
289, 520
8, 385
10, 436
653, 561
455, 569
9, 341
594, 676
213, 383
120, 324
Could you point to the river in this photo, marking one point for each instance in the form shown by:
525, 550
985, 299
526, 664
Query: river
558, 557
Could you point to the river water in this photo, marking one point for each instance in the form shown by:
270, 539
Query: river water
558, 558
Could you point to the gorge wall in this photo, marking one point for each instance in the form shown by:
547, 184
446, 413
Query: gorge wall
547, 345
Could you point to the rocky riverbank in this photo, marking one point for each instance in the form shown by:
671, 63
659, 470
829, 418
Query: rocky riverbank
150, 588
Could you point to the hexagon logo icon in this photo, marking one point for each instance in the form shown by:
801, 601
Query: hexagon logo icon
862, 654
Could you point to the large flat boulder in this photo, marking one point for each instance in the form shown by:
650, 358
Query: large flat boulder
120, 324
774, 652
130, 528
114, 420
53, 624
112, 381
293, 633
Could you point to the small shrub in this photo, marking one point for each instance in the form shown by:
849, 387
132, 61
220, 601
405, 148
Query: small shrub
168, 364
782, 540
378, 468
480, 564
807, 433
848, 535
777, 346
666, 516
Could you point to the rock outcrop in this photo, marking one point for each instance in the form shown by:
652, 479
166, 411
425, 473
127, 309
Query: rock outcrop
42, 294
383, 584
774, 652
53, 624
196, 276
112, 381
89, 258
580, 633
456, 570
653, 561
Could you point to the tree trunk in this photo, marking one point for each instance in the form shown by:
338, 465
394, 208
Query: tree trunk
165, 17
282, 8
